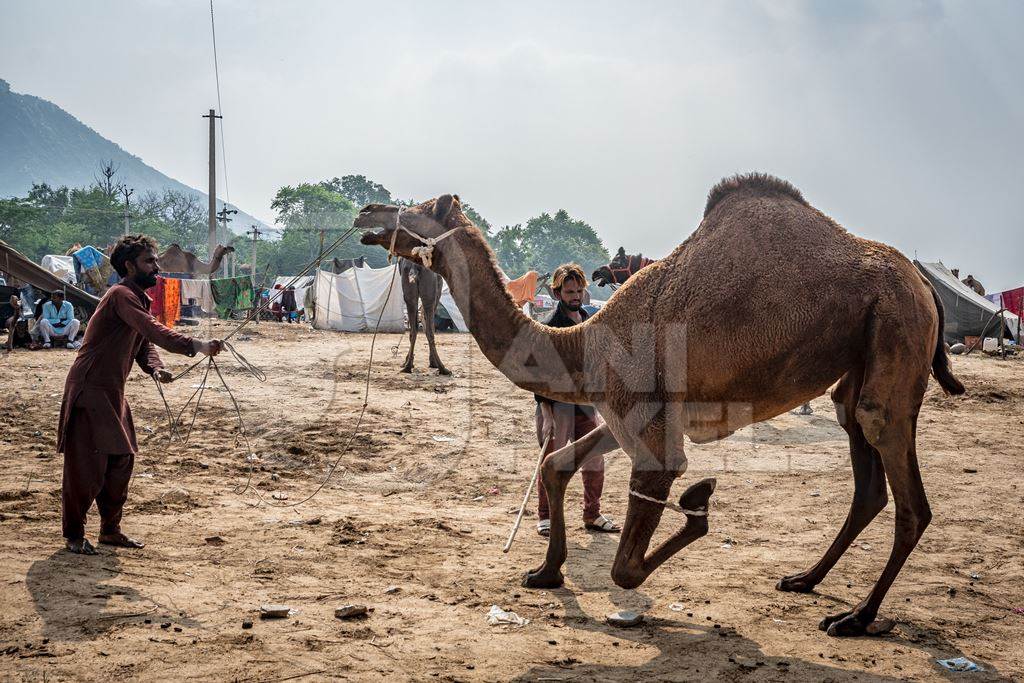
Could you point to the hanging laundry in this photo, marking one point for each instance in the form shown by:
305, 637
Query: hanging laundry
232, 294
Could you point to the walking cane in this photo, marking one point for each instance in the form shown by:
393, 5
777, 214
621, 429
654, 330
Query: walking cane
526, 498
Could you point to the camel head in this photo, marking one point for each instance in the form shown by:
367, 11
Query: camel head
431, 219
614, 273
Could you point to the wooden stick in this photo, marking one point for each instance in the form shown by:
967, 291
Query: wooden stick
526, 498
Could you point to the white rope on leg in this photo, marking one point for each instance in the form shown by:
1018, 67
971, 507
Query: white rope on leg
526, 498
699, 512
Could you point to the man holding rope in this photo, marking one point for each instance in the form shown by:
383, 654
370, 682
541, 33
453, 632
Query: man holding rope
96, 433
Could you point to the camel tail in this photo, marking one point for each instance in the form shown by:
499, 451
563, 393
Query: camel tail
940, 361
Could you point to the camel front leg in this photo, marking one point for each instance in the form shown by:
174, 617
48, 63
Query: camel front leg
632, 563
556, 471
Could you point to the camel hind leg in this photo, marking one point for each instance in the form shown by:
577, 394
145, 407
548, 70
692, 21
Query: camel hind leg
412, 310
894, 384
428, 329
869, 496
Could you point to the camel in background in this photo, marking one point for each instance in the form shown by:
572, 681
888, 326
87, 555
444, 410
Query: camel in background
174, 259
420, 284
622, 267
666, 358
340, 265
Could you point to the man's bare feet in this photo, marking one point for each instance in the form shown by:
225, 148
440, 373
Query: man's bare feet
81, 546
120, 540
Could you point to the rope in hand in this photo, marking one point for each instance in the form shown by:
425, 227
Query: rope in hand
261, 376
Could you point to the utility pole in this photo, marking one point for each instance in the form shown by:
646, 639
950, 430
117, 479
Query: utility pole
223, 217
127, 192
212, 214
320, 255
255, 232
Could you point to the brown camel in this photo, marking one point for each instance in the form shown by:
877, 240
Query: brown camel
420, 285
665, 358
622, 267
177, 260
974, 284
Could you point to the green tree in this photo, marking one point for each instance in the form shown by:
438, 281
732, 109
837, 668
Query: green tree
359, 190
546, 242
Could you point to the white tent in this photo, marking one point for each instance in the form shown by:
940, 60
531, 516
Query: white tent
61, 266
353, 301
453, 311
301, 284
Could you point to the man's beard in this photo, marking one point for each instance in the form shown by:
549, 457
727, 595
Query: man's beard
574, 307
145, 280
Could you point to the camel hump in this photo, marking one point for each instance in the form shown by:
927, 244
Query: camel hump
757, 183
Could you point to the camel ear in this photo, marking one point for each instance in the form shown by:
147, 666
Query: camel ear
622, 251
443, 206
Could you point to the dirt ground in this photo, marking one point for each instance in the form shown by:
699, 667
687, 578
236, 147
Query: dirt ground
413, 521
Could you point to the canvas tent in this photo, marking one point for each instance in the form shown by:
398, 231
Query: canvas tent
966, 312
355, 300
17, 265
452, 311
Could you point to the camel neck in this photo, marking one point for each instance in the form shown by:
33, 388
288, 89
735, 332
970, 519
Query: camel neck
534, 357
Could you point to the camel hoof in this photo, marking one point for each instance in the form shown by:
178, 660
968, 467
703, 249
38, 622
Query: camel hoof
696, 497
542, 579
406, 369
444, 371
795, 584
852, 624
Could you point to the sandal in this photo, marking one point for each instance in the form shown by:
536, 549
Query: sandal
81, 546
544, 527
603, 524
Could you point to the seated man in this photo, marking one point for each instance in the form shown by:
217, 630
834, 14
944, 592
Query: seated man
58, 320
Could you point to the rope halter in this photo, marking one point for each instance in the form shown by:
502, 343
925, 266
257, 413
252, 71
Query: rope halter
425, 253
699, 512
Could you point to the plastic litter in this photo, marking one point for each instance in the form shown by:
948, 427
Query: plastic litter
498, 617
959, 664
676, 607
624, 618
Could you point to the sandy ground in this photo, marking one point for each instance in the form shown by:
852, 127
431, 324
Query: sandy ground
422, 503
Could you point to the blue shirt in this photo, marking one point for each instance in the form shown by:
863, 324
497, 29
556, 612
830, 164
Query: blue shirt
58, 318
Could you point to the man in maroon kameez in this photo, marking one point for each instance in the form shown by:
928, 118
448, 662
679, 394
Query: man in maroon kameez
96, 434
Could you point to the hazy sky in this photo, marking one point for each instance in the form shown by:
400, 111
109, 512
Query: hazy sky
902, 120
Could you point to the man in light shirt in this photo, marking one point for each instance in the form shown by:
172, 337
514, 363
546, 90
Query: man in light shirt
58, 319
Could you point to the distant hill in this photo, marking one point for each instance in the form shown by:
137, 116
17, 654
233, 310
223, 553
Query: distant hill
42, 143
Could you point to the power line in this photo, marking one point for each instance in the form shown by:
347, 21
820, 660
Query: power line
220, 108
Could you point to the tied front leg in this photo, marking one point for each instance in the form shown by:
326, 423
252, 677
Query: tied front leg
556, 471
632, 563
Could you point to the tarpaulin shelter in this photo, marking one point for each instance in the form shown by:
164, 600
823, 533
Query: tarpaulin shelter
353, 301
19, 266
966, 312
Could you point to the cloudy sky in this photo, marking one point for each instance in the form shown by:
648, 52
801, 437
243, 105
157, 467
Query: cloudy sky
902, 120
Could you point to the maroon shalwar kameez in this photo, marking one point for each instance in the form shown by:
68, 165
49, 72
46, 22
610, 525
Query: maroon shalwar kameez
96, 433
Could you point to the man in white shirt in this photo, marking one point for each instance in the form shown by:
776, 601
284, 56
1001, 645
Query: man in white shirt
58, 319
